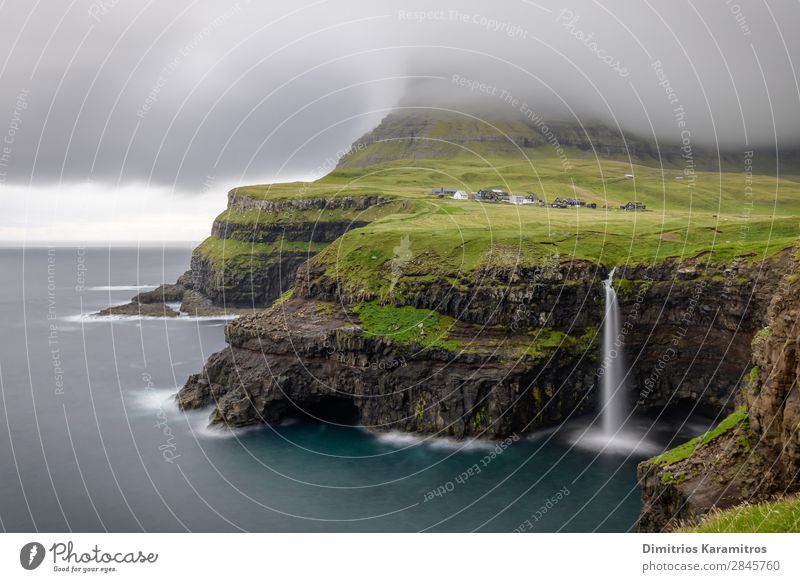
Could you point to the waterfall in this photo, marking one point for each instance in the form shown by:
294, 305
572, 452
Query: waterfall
615, 430
612, 391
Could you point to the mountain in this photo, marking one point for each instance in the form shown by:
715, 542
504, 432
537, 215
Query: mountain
435, 134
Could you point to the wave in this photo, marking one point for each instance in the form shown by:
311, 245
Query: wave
161, 401
200, 425
154, 399
94, 318
404, 440
121, 287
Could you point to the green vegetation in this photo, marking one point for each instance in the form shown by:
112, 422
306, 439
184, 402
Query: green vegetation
545, 340
452, 238
762, 334
419, 408
668, 478
688, 215
406, 325
233, 254
263, 218
768, 517
285, 296
752, 376
681, 452
480, 420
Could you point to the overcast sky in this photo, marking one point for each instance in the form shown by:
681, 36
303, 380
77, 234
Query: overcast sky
125, 119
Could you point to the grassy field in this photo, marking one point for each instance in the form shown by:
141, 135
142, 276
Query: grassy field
725, 215
768, 517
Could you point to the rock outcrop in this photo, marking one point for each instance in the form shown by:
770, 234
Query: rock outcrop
153, 303
494, 381
757, 457
307, 357
257, 245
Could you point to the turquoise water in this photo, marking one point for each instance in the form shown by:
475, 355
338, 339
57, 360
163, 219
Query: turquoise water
90, 439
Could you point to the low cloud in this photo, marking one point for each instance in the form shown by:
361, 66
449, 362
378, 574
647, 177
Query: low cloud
174, 95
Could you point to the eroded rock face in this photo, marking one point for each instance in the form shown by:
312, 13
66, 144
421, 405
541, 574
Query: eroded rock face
773, 396
306, 356
729, 470
255, 285
688, 326
560, 296
257, 282
238, 201
310, 351
761, 456
135, 309
153, 303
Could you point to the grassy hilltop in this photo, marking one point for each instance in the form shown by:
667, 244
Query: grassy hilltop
726, 213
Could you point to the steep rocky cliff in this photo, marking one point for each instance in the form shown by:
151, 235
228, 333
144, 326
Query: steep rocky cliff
257, 245
518, 349
754, 453
307, 357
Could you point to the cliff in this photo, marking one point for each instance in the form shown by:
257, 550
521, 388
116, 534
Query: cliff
408, 367
254, 251
508, 352
311, 358
755, 452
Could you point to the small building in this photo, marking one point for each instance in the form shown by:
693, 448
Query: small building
460, 195
629, 176
519, 200
631, 206
591, 205
493, 194
443, 191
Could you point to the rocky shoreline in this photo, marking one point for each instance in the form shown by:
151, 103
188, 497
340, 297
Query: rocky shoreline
156, 303
312, 348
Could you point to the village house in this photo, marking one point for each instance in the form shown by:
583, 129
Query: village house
631, 206
519, 200
494, 194
460, 195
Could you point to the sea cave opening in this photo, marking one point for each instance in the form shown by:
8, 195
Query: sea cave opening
328, 410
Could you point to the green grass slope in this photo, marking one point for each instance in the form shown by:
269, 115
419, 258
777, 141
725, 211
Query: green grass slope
769, 517
726, 215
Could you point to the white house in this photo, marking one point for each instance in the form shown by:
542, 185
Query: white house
519, 200
460, 195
